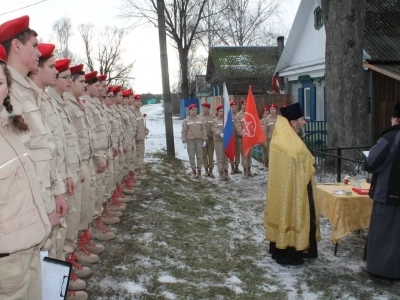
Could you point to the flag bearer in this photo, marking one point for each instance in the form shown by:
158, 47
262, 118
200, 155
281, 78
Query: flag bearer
235, 163
239, 126
218, 131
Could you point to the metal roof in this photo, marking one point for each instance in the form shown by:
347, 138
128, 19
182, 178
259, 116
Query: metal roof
382, 31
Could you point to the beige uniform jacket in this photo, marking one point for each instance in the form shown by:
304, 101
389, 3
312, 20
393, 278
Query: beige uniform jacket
208, 119
25, 98
217, 127
128, 128
269, 125
132, 116
193, 128
114, 127
141, 128
101, 139
73, 153
81, 124
53, 122
101, 107
23, 218
239, 119
117, 114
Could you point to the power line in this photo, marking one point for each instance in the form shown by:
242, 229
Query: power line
11, 11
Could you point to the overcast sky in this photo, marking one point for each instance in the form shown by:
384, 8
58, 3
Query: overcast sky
141, 44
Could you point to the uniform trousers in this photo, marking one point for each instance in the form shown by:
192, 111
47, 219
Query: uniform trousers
120, 169
139, 154
87, 207
238, 149
208, 154
109, 179
99, 193
222, 160
69, 224
20, 275
114, 171
195, 152
128, 157
133, 159
266, 154
246, 159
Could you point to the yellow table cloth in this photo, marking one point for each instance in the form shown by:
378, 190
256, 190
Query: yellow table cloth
346, 213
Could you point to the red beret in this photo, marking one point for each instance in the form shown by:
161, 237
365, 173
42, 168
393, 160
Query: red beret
102, 77
192, 106
76, 69
137, 97
126, 93
274, 105
219, 107
90, 75
233, 103
244, 101
266, 108
46, 50
109, 88
206, 104
62, 65
13, 28
3, 54
116, 89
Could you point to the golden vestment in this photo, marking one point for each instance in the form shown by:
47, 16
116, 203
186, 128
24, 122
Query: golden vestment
287, 210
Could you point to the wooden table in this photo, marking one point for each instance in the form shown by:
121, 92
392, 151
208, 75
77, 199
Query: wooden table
346, 213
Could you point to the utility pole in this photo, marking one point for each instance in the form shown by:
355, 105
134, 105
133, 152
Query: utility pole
169, 130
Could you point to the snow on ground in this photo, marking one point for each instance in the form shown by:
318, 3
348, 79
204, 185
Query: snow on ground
246, 224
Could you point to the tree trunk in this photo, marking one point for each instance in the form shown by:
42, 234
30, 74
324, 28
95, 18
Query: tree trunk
183, 60
347, 105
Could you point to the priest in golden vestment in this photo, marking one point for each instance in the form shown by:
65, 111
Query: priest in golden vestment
291, 218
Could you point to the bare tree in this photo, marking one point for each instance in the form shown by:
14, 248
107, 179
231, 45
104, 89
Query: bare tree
62, 33
86, 32
108, 55
347, 107
242, 22
182, 19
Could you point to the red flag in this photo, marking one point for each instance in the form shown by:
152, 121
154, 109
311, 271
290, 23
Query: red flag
253, 133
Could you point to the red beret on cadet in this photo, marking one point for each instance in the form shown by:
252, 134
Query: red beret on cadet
206, 104
219, 107
233, 103
137, 97
109, 88
265, 108
46, 50
3, 54
244, 101
13, 28
116, 89
274, 105
76, 69
90, 75
192, 106
62, 65
102, 77
126, 93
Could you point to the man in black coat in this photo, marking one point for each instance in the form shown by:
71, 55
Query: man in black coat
383, 246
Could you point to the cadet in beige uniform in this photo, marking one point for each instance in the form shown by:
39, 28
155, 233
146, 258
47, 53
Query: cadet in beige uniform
217, 127
268, 126
132, 116
20, 44
239, 124
86, 248
69, 231
141, 133
101, 147
21, 239
46, 76
194, 133
235, 163
208, 150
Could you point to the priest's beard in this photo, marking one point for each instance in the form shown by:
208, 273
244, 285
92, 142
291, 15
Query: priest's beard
300, 131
